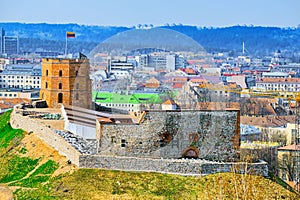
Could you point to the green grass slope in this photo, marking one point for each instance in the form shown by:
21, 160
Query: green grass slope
33, 179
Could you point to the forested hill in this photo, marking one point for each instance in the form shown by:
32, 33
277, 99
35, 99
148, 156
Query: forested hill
258, 40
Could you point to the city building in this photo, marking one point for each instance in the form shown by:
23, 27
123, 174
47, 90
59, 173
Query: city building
21, 77
10, 45
2, 34
119, 66
128, 102
289, 165
279, 84
250, 133
66, 81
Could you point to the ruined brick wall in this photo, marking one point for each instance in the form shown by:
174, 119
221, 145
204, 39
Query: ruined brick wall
202, 134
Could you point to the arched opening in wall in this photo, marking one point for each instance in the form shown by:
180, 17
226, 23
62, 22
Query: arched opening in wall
60, 98
47, 72
191, 152
60, 86
60, 73
166, 137
46, 85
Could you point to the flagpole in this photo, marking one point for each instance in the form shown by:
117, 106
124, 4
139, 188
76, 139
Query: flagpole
66, 46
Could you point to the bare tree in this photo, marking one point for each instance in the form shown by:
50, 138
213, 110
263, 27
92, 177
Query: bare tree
288, 165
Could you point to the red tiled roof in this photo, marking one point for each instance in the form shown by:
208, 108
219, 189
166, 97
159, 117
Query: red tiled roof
292, 147
177, 85
279, 80
268, 121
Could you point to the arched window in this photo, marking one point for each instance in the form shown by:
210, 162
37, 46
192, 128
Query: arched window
76, 72
60, 73
77, 96
60, 86
77, 86
46, 85
60, 98
47, 72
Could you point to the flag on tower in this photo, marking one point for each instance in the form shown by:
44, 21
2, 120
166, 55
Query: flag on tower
70, 34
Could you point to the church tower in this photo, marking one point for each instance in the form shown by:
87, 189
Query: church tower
66, 81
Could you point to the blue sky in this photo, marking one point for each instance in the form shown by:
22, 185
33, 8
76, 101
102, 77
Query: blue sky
216, 13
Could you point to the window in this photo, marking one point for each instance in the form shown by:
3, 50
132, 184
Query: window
60, 73
46, 86
283, 175
77, 86
46, 73
284, 158
77, 96
60, 98
60, 86
113, 139
123, 143
76, 72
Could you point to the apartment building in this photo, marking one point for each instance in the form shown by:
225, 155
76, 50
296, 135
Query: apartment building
21, 77
279, 84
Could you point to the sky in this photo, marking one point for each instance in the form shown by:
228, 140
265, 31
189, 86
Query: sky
209, 13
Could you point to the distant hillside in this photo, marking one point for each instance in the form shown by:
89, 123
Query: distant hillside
258, 40
33, 170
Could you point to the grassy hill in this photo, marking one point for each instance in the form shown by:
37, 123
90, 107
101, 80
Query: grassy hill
33, 170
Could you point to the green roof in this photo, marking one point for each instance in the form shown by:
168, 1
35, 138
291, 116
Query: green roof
137, 98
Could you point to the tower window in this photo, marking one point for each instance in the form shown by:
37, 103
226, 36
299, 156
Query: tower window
46, 73
60, 86
76, 72
77, 96
77, 86
60, 98
60, 73
46, 86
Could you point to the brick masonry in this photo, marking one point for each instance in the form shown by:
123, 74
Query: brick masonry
68, 78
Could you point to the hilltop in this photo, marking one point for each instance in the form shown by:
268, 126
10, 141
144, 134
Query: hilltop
33, 170
258, 40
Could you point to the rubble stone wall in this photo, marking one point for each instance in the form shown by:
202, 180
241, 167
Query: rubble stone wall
173, 166
172, 134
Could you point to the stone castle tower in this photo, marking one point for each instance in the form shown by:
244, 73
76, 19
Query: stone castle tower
66, 81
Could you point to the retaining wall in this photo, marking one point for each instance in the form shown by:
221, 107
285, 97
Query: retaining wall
172, 166
17, 120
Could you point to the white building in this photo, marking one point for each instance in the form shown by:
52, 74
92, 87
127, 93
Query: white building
21, 76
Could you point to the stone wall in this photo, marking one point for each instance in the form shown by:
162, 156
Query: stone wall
173, 166
203, 134
45, 133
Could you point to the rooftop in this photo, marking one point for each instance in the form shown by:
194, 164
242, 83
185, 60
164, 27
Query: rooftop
292, 147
